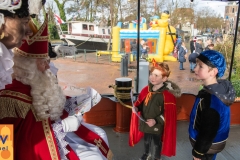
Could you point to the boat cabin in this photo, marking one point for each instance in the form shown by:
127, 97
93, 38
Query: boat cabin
88, 29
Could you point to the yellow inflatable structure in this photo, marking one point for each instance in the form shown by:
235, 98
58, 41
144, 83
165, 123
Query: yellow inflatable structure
159, 39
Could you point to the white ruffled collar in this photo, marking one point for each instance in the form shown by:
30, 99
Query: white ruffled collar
6, 64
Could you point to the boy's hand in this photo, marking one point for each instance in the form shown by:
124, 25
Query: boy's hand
151, 122
134, 109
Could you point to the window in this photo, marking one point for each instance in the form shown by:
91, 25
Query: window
85, 27
109, 32
232, 10
103, 31
227, 10
91, 27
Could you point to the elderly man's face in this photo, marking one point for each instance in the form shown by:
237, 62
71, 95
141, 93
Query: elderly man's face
43, 64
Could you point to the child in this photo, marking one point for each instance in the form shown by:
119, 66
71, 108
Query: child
157, 104
210, 117
192, 60
144, 50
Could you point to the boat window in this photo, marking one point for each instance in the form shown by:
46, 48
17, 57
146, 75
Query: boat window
85, 27
103, 31
91, 27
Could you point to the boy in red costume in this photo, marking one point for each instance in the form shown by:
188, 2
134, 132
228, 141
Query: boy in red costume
157, 105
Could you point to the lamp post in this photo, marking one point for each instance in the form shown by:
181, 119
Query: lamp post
234, 44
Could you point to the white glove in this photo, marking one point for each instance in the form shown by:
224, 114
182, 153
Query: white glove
71, 123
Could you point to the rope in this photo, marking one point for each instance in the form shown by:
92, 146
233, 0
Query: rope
120, 96
83, 42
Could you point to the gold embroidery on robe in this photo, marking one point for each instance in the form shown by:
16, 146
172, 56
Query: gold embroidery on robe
49, 139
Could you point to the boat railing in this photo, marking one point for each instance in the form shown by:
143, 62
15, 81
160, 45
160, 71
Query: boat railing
90, 35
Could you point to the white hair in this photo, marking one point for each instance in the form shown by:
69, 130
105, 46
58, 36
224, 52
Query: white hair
48, 98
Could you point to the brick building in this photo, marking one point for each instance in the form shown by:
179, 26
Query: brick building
230, 17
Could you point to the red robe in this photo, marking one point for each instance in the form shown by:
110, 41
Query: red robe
34, 140
170, 126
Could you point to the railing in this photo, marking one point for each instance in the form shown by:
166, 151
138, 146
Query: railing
95, 56
106, 36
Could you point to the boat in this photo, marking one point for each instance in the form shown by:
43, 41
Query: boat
86, 35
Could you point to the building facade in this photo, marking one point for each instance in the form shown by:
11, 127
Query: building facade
230, 17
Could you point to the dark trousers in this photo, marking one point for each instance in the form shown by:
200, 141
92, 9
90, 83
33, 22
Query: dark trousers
180, 65
157, 144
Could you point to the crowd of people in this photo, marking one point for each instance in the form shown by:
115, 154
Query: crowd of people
48, 126
196, 46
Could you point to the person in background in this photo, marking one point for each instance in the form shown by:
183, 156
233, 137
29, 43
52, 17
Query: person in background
192, 60
182, 53
157, 105
198, 46
192, 44
210, 116
134, 48
211, 46
218, 40
209, 42
144, 50
14, 29
52, 55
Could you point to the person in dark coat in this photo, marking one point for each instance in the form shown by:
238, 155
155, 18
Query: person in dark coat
134, 48
198, 46
192, 45
51, 53
192, 60
182, 55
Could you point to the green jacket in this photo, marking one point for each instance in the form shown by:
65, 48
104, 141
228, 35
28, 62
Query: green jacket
155, 108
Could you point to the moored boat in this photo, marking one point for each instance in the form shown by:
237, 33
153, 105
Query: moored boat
86, 35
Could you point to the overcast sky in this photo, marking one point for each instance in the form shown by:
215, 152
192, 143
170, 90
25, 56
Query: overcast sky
219, 7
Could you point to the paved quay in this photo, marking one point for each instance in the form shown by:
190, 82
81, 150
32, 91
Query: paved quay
101, 75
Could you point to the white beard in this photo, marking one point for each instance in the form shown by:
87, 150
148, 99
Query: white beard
48, 98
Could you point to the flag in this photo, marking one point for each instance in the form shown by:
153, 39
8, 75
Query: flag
59, 20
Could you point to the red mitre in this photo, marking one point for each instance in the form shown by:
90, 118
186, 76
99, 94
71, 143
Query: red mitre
37, 45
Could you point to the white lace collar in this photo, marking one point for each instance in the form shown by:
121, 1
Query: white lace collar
6, 64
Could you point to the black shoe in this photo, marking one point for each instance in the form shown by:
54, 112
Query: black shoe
182, 69
144, 157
